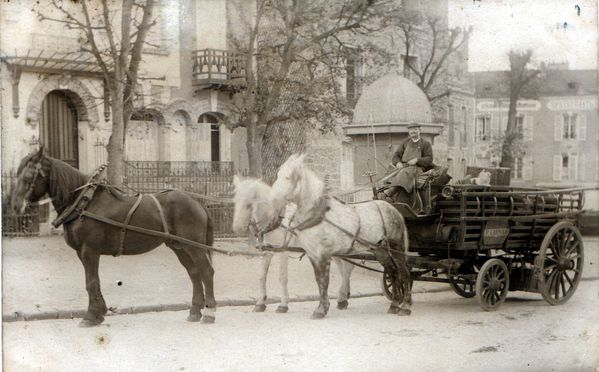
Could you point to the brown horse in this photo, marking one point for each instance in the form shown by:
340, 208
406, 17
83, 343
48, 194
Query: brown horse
177, 212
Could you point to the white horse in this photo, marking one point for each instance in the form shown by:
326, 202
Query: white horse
326, 227
254, 207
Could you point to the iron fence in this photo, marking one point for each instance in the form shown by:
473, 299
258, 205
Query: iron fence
212, 179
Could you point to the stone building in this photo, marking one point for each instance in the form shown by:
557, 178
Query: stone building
53, 94
558, 123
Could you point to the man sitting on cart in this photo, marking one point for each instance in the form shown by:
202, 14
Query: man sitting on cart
412, 157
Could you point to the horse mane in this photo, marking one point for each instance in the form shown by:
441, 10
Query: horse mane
63, 179
251, 189
313, 188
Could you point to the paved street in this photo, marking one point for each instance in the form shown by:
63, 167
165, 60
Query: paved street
444, 333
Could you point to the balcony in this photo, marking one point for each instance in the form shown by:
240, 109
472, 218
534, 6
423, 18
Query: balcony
218, 69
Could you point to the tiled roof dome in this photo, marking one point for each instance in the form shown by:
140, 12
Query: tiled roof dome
392, 99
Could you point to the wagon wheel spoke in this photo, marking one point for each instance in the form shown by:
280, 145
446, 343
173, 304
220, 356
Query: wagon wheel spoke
572, 248
563, 284
568, 279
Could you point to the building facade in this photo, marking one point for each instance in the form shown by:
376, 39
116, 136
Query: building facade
558, 123
53, 94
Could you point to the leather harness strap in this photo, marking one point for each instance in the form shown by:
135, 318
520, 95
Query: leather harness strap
125, 224
164, 225
127, 220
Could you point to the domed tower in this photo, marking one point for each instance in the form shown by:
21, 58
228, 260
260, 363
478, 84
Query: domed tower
380, 121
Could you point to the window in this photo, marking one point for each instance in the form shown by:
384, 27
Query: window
517, 168
483, 128
520, 124
570, 129
569, 167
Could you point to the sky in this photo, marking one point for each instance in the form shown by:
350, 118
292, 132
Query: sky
554, 29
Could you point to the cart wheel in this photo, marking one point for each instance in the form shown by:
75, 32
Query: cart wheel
387, 285
492, 284
560, 262
466, 290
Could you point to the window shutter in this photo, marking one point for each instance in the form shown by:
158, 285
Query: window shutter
495, 127
581, 170
557, 167
573, 167
528, 128
527, 171
582, 127
503, 126
558, 128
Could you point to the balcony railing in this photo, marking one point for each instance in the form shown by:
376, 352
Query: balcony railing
215, 68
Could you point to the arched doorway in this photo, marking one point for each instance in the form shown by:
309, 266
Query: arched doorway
212, 119
58, 126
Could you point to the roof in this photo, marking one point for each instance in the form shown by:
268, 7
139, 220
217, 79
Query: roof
494, 84
392, 99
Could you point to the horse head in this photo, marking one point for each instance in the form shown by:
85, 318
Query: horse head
253, 206
32, 180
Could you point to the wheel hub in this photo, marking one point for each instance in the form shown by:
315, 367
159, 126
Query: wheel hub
494, 284
565, 264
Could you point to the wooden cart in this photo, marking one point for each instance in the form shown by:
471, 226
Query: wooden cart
487, 240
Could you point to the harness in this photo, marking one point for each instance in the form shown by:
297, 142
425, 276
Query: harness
77, 209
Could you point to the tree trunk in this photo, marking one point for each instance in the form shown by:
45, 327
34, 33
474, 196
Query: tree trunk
254, 142
116, 146
511, 132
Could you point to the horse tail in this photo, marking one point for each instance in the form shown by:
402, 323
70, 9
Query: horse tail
209, 234
209, 223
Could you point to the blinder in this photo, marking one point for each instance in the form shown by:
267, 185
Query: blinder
38, 172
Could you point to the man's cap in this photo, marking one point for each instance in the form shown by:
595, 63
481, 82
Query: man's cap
413, 125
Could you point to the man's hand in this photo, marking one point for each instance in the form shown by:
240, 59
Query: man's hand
399, 165
412, 161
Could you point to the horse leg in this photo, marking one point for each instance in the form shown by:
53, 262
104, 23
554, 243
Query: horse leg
283, 279
197, 301
203, 260
97, 307
321, 267
261, 302
345, 268
405, 280
386, 259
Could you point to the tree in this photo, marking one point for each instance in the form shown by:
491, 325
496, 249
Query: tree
436, 43
519, 78
293, 52
117, 46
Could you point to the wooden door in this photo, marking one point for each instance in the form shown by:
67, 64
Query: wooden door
58, 127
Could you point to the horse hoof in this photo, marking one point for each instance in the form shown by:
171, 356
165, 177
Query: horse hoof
208, 319
194, 317
404, 312
393, 310
318, 315
282, 309
260, 308
86, 323
342, 305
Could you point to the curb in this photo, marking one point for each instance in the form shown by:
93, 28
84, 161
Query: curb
72, 314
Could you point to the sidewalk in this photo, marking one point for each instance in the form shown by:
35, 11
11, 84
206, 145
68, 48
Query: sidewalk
42, 278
